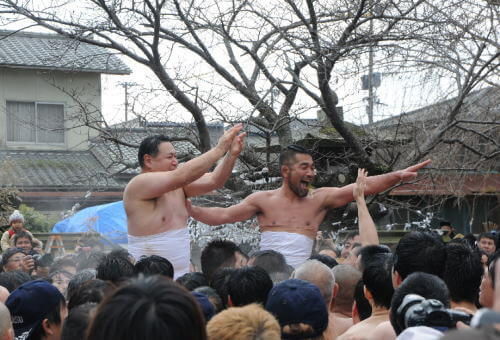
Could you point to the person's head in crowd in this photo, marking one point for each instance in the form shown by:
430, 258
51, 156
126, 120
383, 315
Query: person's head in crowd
121, 252
278, 277
320, 275
300, 309
447, 229
361, 308
12, 259
471, 240
212, 296
77, 321
367, 252
220, 254
487, 242
13, 279
78, 280
250, 322
294, 175
92, 291
346, 277
148, 308
60, 279
115, 268
4, 294
350, 239
219, 282
377, 279
191, 281
462, 274
418, 252
247, 285
328, 261
38, 310
269, 260
89, 262
65, 263
6, 330
207, 308
16, 221
155, 264
43, 265
486, 289
352, 258
23, 240
426, 285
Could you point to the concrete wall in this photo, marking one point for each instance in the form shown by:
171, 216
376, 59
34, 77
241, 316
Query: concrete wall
73, 90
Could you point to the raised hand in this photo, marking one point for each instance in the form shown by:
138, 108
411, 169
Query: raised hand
358, 190
237, 144
412, 171
226, 140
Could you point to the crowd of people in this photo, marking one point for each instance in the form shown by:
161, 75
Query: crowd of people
421, 288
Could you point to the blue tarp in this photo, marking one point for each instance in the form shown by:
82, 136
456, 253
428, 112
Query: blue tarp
108, 219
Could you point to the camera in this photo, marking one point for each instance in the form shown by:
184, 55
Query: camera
417, 311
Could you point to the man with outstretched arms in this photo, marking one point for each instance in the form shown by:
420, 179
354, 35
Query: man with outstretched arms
155, 200
289, 216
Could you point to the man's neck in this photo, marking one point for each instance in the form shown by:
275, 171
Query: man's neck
341, 314
468, 307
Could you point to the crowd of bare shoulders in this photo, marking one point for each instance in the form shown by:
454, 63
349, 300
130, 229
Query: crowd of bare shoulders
420, 288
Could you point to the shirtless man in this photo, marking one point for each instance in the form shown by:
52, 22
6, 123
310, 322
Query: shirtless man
289, 216
155, 200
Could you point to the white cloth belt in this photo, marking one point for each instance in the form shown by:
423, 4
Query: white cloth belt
172, 245
295, 247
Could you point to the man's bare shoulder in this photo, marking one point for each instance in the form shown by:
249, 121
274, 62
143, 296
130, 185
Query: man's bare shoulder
383, 331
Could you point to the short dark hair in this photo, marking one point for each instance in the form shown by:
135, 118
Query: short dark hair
248, 285
148, 308
13, 279
93, 290
219, 282
426, 285
489, 235
217, 254
78, 280
325, 259
155, 264
366, 253
269, 260
53, 317
462, 272
77, 321
191, 281
150, 146
378, 279
9, 253
419, 252
363, 305
115, 268
21, 234
212, 296
288, 154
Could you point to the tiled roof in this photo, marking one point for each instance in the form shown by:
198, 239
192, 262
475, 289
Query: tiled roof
53, 170
54, 52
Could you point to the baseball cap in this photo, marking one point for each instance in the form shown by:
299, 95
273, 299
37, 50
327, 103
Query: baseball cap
30, 303
297, 301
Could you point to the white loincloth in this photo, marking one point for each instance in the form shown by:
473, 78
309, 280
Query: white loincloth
295, 247
172, 245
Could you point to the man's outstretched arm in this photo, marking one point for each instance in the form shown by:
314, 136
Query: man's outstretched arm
154, 184
242, 211
216, 179
367, 229
338, 197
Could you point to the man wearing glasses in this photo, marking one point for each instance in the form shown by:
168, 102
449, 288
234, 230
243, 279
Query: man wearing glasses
289, 217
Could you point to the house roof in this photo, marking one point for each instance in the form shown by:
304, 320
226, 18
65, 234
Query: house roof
55, 52
53, 170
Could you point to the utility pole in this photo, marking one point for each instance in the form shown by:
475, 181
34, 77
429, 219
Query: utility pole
371, 98
126, 85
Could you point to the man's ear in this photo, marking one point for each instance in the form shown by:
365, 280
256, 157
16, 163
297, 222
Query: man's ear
367, 293
284, 171
147, 160
47, 327
229, 301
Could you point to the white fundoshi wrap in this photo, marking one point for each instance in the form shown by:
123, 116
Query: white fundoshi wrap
173, 245
295, 247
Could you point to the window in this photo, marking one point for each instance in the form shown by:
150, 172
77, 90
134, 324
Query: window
35, 122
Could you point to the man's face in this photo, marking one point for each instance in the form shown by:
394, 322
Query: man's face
300, 174
348, 246
446, 229
24, 243
241, 260
17, 225
487, 245
165, 159
14, 263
